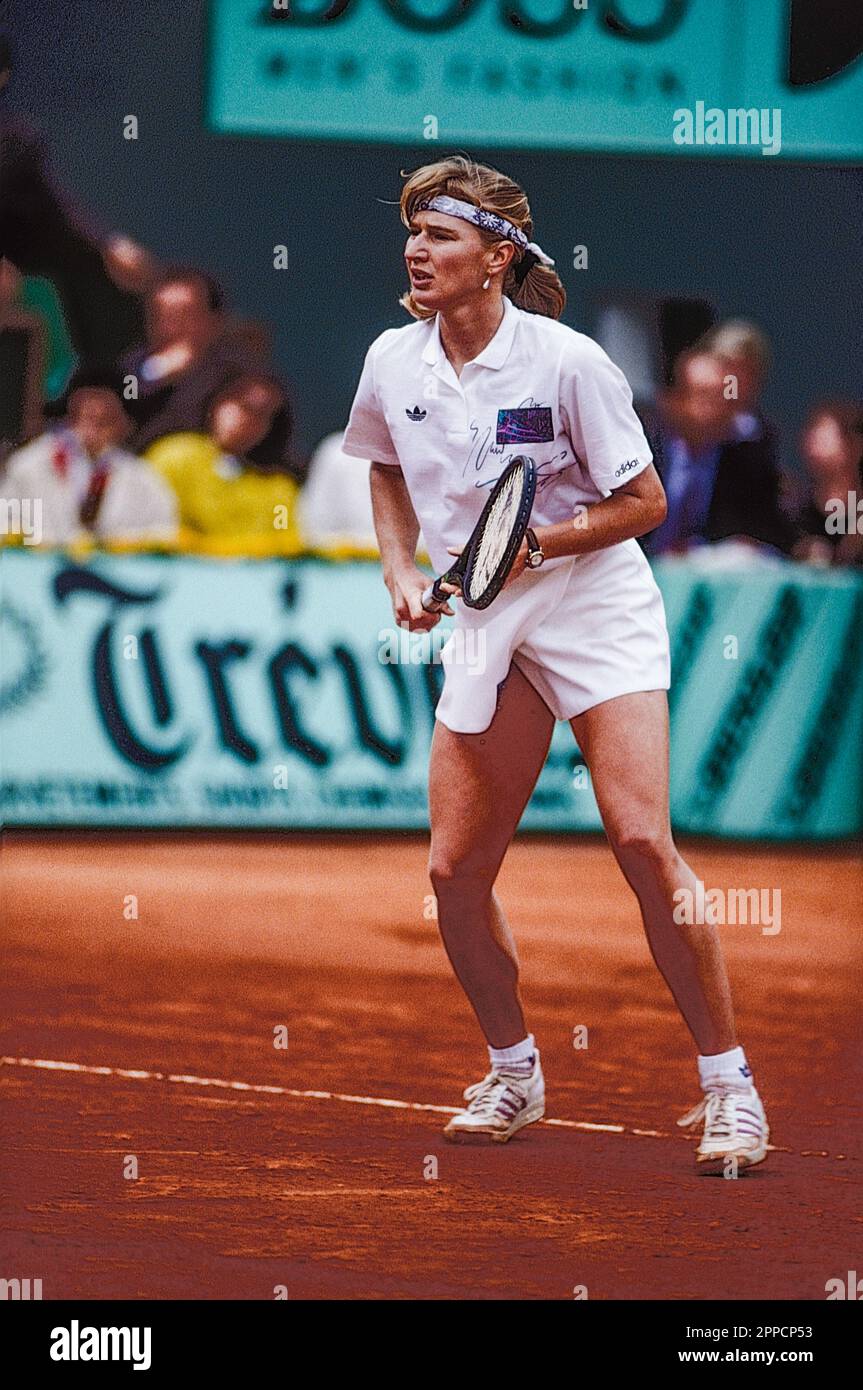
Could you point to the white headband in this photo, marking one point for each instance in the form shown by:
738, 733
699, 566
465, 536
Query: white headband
489, 222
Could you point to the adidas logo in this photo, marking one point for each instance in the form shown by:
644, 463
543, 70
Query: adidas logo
745, 1071
416, 413
625, 467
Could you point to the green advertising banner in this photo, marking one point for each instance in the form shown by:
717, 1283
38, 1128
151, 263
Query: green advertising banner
146, 691
724, 77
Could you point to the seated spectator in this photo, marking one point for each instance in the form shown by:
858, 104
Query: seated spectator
718, 485
825, 511
335, 508
744, 352
190, 353
77, 482
226, 502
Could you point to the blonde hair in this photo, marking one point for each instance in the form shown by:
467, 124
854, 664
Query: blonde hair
541, 291
739, 338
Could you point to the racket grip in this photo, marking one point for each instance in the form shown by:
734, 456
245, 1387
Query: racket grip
432, 601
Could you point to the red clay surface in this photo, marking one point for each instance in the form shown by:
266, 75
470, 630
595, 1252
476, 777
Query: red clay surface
239, 1192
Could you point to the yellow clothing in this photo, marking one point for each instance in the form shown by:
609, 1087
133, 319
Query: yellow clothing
226, 508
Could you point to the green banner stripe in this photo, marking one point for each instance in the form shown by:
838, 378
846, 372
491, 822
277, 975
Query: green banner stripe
749, 701
807, 780
689, 642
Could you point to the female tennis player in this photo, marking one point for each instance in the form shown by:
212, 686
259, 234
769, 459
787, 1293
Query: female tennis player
578, 631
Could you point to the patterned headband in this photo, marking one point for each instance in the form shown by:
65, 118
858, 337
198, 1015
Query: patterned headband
489, 222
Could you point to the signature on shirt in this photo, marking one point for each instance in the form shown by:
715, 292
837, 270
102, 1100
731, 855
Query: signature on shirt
484, 449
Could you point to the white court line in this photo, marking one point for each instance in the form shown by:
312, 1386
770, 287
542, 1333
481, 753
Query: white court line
180, 1079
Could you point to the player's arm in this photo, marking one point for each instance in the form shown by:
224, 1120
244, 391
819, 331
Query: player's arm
397, 531
607, 434
633, 509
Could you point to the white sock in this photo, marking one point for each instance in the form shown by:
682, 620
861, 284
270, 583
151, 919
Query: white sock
518, 1058
728, 1068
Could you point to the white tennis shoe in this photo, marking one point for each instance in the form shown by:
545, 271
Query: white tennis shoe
735, 1127
499, 1106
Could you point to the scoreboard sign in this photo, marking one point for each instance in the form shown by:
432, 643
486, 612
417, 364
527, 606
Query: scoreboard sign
733, 78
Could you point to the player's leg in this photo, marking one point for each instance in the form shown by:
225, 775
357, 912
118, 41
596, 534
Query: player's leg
625, 744
479, 786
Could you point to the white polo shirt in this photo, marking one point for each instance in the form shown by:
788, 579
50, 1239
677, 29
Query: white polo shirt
538, 388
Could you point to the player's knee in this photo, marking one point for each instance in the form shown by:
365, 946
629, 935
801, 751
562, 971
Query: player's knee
452, 873
646, 843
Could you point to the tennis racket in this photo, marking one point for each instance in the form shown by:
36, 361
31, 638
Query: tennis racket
481, 569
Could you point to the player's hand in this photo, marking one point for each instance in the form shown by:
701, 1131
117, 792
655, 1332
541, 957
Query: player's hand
406, 590
452, 588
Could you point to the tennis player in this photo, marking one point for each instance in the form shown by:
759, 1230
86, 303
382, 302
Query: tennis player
578, 632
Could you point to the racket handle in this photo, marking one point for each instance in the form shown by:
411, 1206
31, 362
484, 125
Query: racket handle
432, 600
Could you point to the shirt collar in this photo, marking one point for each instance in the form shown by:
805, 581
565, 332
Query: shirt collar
493, 355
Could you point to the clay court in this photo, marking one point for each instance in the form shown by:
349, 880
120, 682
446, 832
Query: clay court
312, 1168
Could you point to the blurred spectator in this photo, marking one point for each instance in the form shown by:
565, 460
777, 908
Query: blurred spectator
99, 279
718, 485
182, 361
188, 356
77, 482
745, 354
225, 500
826, 510
336, 503
22, 351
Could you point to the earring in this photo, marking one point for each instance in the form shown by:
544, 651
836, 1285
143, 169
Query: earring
486, 282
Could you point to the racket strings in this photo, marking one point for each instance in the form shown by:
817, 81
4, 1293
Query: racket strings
496, 533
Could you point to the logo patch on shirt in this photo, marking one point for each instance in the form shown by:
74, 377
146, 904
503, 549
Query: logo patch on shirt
416, 413
625, 467
525, 425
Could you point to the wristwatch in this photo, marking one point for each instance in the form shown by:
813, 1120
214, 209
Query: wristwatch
535, 554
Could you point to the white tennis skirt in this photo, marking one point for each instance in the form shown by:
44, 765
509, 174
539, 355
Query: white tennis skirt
582, 630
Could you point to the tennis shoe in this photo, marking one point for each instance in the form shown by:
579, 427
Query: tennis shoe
499, 1106
735, 1128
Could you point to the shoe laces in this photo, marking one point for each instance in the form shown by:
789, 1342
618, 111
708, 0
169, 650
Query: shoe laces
484, 1095
718, 1108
